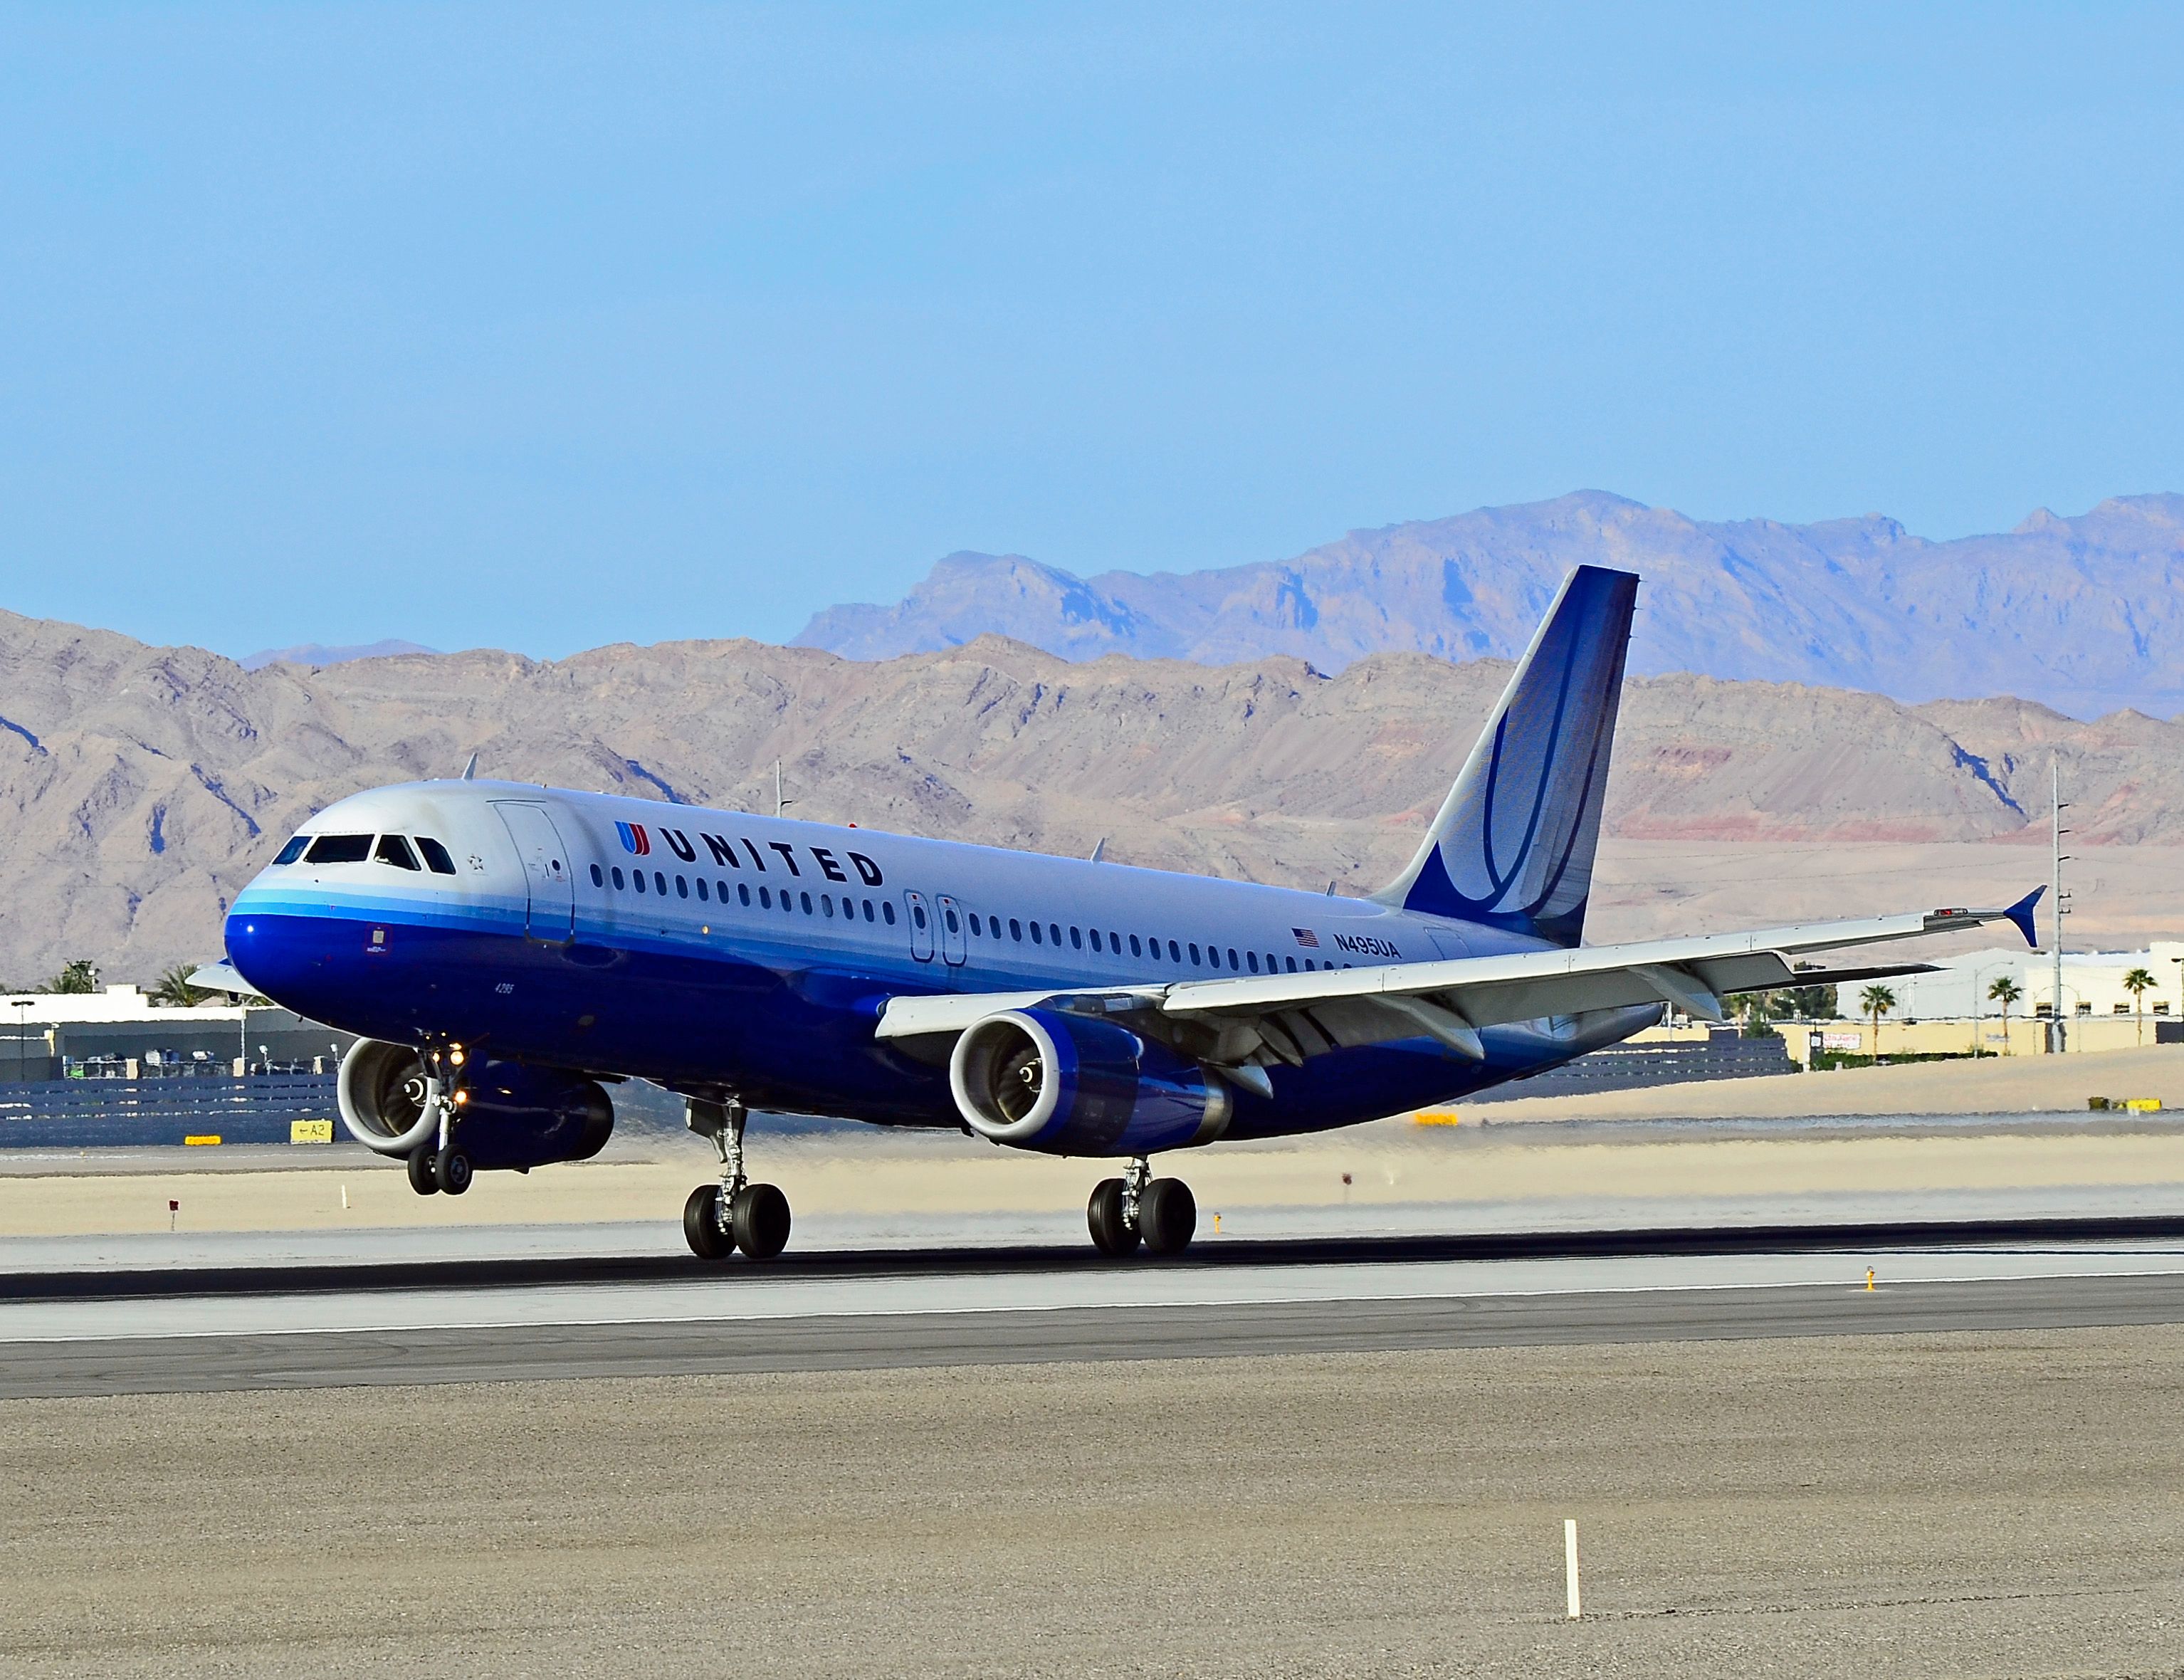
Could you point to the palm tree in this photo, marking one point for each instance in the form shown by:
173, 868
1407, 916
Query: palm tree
2138, 983
77, 977
1874, 1000
174, 991
2005, 992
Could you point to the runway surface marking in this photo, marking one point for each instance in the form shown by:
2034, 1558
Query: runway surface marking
748, 1295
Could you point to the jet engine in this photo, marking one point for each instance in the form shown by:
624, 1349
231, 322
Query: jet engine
510, 1115
1075, 1085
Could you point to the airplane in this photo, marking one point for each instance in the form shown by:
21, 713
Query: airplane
506, 952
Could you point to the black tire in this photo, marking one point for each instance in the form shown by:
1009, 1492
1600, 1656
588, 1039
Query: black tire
760, 1216
1167, 1215
701, 1224
1104, 1214
422, 1179
452, 1171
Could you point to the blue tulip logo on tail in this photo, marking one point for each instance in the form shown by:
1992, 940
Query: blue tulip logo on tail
1513, 844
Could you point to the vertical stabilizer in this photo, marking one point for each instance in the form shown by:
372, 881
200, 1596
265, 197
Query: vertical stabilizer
1513, 844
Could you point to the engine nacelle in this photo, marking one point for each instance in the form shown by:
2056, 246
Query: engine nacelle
1075, 1085
511, 1115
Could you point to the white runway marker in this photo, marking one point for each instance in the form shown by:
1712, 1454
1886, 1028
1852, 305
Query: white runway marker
1569, 1565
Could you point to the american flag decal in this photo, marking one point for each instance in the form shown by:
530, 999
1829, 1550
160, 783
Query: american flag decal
1306, 937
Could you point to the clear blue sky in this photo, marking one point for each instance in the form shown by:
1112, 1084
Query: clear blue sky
544, 326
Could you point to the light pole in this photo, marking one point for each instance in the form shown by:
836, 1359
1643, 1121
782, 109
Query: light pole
22, 1051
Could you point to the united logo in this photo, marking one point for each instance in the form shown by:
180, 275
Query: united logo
634, 839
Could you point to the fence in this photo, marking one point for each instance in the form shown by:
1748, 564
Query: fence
79, 1114
1630, 1067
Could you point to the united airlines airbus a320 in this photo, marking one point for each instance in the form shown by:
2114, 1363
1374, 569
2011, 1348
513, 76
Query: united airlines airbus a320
509, 952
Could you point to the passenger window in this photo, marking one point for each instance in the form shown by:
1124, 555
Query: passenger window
1254, 956
293, 849
617, 879
1034, 934
340, 848
1076, 940
743, 891
826, 904
1292, 965
636, 879
868, 911
1193, 955
660, 882
1054, 931
702, 889
599, 876
1233, 965
766, 897
681, 886
976, 931
807, 897
722, 888
1095, 939
1015, 930
1135, 951
948, 917
436, 855
395, 850
918, 914
1114, 941
887, 911
1174, 954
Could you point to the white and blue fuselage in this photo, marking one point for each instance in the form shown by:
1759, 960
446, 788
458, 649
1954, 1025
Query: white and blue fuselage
750, 957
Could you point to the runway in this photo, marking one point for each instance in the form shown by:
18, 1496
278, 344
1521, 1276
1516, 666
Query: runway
79, 1332
504, 1353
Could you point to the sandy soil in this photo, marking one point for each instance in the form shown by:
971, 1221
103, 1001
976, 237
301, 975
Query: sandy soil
1388, 1163
1913, 1506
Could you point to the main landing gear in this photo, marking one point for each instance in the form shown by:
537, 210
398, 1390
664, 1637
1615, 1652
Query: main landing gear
438, 1164
735, 1213
1136, 1208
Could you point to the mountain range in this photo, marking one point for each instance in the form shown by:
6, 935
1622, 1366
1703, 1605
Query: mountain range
2084, 614
145, 784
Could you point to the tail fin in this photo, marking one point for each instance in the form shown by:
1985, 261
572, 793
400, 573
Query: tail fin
1513, 844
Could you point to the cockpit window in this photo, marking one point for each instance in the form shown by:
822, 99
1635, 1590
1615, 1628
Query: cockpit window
340, 848
436, 855
293, 849
394, 850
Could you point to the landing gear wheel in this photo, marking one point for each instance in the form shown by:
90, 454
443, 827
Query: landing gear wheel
1167, 1215
701, 1224
452, 1171
422, 1178
1104, 1214
758, 1215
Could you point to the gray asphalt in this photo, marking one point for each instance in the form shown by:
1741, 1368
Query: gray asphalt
906, 1340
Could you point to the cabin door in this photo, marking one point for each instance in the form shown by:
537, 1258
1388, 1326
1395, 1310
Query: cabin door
547, 871
921, 926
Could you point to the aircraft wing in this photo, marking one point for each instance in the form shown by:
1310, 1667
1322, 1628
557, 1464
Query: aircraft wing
1296, 1015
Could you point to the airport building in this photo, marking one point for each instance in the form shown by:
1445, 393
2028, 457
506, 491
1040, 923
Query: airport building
118, 1032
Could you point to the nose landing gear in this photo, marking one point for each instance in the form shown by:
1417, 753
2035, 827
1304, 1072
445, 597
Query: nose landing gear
1136, 1208
734, 1214
438, 1165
